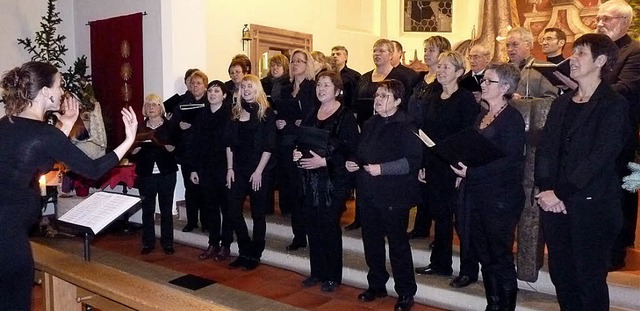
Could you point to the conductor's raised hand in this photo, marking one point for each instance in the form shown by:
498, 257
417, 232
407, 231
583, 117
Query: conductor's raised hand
130, 122
70, 108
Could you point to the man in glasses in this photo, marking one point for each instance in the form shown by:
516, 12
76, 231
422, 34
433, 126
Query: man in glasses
532, 84
479, 57
552, 43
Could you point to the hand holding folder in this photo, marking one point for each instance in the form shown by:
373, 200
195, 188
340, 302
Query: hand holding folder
467, 146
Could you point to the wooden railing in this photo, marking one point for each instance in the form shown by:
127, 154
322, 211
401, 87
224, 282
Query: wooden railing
68, 282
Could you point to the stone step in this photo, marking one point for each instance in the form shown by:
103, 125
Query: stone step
432, 290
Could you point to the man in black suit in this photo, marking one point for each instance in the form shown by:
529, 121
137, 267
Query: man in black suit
552, 44
349, 76
614, 19
479, 57
409, 77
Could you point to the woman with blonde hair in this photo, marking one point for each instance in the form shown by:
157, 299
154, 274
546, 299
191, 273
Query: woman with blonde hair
298, 103
321, 62
156, 173
252, 140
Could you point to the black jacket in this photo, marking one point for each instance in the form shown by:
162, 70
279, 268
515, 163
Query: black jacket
153, 151
263, 139
580, 163
385, 140
207, 149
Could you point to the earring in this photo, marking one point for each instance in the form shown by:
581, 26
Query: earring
51, 98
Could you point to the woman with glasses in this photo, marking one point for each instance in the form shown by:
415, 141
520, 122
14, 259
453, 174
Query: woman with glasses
386, 165
447, 111
156, 173
580, 197
367, 85
325, 181
493, 193
299, 102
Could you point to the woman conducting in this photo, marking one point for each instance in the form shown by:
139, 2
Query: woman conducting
493, 193
325, 181
388, 159
29, 148
576, 174
156, 173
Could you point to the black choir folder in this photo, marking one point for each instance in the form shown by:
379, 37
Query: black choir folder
547, 70
98, 211
467, 146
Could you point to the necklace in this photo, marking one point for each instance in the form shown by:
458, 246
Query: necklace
488, 118
584, 98
154, 126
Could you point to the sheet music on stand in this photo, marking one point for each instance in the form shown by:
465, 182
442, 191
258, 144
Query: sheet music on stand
95, 213
99, 210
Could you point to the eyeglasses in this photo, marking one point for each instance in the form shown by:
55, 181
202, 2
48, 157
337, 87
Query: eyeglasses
488, 81
382, 96
298, 61
474, 57
514, 45
606, 19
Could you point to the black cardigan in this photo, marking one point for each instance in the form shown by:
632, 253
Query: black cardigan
386, 140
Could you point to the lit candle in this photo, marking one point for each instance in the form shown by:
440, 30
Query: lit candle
43, 185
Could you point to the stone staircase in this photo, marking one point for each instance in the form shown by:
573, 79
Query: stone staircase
624, 287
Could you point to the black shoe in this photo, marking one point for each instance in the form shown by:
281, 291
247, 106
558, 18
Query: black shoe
329, 286
461, 281
222, 254
146, 250
413, 234
169, 250
250, 264
352, 226
239, 262
310, 281
428, 270
188, 228
404, 303
210, 252
372, 294
295, 245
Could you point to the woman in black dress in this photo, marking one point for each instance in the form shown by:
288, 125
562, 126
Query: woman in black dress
493, 193
325, 181
252, 140
387, 164
28, 149
156, 173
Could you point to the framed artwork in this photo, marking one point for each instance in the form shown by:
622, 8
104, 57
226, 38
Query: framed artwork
427, 15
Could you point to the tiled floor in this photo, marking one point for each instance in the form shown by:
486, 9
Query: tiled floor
265, 281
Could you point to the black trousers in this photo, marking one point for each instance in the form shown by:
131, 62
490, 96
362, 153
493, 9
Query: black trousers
579, 254
424, 218
469, 264
215, 201
193, 198
379, 222
322, 209
441, 202
162, 186
288, 191
240, 188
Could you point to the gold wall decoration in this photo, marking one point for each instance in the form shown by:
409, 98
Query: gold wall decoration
125, 49
126, 71
126, 92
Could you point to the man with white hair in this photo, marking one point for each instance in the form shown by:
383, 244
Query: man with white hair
614, 19
532, 83
479, 57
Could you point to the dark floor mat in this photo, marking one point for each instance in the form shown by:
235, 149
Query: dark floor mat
192, 282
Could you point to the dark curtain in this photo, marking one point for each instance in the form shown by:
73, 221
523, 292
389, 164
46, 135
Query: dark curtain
116, 69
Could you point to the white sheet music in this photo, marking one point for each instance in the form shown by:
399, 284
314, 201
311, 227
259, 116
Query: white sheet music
99, 210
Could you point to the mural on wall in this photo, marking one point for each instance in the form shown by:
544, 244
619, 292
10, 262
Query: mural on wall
427, 16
